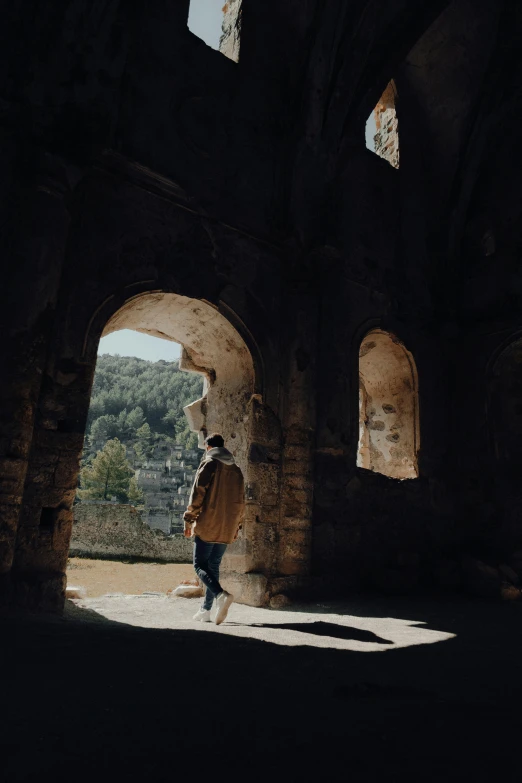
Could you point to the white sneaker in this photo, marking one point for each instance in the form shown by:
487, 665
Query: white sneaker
202, 615
223, 602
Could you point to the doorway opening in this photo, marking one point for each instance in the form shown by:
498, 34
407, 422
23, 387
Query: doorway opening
388, 407
146, 430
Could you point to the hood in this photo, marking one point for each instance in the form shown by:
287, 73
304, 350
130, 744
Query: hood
222, 454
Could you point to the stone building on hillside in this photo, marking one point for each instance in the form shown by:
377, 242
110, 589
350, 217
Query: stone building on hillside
355, 313
166, 485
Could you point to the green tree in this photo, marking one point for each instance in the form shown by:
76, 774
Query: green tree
103, 429
135, 419
184, 436
135, 494
144, 445
109, 474
122, 423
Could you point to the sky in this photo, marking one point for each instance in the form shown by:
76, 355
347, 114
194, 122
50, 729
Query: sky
371, 130
126, 342
205, 18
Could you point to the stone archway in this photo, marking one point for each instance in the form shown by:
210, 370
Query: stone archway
211, 347
232, 404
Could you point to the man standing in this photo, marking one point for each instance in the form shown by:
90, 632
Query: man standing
214, 514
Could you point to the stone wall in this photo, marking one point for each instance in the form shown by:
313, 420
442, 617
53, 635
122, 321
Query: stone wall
386, 139
231, 30
118, 531
239, 205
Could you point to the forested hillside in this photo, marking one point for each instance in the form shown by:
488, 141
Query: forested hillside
129, 393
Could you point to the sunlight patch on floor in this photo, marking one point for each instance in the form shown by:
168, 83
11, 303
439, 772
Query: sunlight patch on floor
288, 628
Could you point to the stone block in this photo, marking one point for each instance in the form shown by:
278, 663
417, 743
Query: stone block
263, 484
248, 589
299, 481
290, 566
286, 584
265, 426
66, 473
293, 509
12, 469
237, 562
75, 591
279, 601
297, 523
62, 441
303, 496
298, 452
298, 467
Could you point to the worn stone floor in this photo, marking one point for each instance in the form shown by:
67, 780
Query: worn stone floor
129, 688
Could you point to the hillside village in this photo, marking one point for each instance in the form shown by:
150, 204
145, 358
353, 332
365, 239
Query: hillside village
141, 403
166, 479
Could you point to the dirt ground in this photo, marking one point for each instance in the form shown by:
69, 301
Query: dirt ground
110, 576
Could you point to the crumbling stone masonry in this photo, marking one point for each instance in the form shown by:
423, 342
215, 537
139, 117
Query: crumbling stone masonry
118, 531
386, 139
231, 36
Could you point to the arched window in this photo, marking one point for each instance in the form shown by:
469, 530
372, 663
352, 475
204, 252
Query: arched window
382, 130
388, 407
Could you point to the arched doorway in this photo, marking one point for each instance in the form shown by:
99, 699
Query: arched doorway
211, 347
388, 407
232, 404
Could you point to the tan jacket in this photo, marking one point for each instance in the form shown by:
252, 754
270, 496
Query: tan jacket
217, 499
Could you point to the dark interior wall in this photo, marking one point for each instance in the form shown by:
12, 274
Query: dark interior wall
421, 252
86, 229
124, 241
365, 523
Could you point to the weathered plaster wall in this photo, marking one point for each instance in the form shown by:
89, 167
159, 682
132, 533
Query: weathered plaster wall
388, 407
402, 263
212, 347
118, 531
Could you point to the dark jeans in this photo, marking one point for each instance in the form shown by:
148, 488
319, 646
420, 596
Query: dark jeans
207, 559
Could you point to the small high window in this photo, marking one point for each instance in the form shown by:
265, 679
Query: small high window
388, 407
217, 24
382, 130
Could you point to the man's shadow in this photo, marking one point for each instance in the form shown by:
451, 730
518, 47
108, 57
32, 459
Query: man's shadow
320, 628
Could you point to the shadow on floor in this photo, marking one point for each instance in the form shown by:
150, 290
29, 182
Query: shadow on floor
320, 628
86, 699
